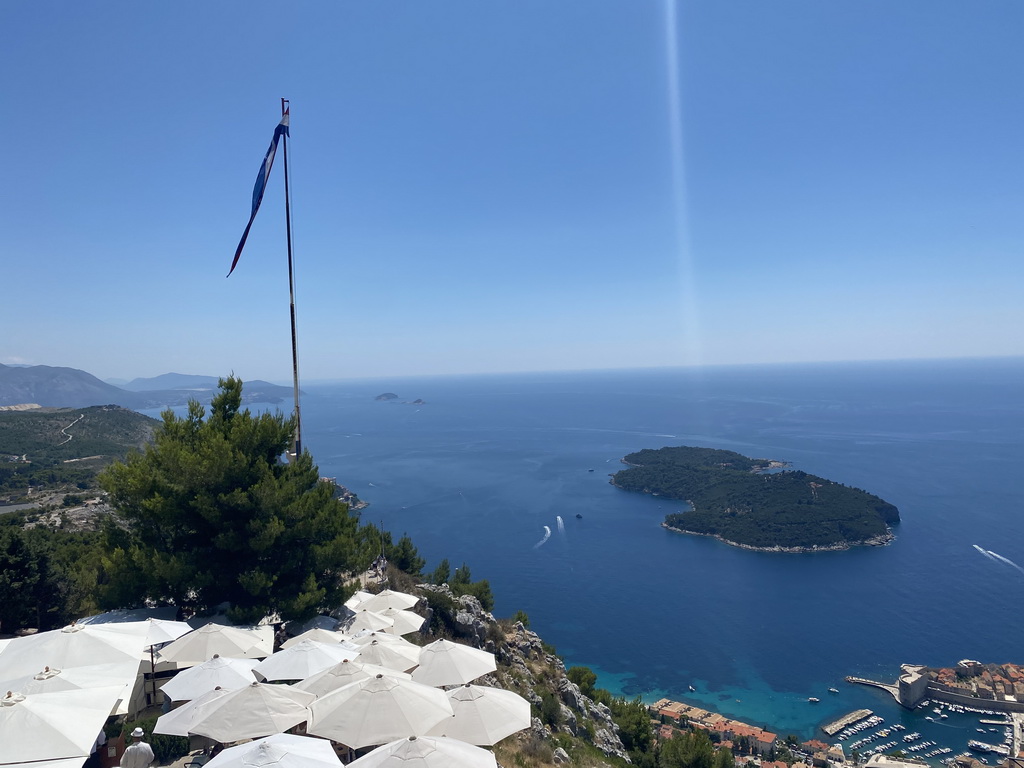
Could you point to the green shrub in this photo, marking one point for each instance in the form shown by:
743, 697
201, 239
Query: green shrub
550, 710
584, 677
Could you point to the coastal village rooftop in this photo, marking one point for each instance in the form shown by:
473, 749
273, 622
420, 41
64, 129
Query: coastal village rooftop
713, 721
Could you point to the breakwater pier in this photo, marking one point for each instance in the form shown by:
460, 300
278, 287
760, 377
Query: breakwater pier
836, 726
893, 689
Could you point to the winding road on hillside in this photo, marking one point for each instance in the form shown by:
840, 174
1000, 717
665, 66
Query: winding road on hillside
64, 431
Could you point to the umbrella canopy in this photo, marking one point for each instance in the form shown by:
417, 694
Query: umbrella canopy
77, 645
369, 620
51, 679
429, 752
64, 762
404, 621
343, 674
378, 710
257, 710
49, 726
283, 750
366, 637
218, 672
179, 722
217, 640
161, 631
317, 634
388, 599
400, 656
358, 598
484, 716
443, 662
304, 659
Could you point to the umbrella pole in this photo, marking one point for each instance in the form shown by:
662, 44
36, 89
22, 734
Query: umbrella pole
152, 674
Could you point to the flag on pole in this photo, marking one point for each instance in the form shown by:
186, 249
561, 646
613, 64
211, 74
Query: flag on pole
261, 184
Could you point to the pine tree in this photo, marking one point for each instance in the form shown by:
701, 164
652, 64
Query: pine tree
214, 515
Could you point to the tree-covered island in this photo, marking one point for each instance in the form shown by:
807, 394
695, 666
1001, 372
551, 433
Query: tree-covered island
735, 500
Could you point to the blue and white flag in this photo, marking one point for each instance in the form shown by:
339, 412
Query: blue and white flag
261, 184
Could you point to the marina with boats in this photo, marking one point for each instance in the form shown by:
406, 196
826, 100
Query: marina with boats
933, 730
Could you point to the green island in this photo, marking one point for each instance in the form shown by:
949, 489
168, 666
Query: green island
737, 500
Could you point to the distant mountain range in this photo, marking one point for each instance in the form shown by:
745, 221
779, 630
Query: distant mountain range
71, 388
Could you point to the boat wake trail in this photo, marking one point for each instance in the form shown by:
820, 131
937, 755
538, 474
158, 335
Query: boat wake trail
1006, 560
983, 551
547, 535
561, 526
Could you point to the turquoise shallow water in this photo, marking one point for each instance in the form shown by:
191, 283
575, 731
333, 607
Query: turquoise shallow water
479, 472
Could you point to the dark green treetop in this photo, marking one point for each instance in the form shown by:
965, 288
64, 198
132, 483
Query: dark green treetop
213, 514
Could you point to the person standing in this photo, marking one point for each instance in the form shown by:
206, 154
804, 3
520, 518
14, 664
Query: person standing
138, 754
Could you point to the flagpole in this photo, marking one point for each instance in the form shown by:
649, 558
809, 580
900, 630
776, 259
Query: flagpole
291, 287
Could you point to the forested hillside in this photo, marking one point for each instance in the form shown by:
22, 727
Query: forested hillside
52, 447
735, 499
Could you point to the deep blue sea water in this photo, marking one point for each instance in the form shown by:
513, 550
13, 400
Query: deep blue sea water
477, 473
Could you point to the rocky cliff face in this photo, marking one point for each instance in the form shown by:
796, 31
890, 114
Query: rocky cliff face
526, 667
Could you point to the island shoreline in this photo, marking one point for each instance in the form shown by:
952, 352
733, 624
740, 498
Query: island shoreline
875, 541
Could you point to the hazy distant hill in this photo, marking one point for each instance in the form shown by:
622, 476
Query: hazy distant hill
255, 390
72, 388
61, 387
172, 381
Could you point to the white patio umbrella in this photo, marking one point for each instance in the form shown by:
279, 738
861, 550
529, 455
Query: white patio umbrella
426, 752
361, 620
77, 645
443, 662
51, 679
304, 659
219, 672
178, 722
260, 709
378, 710
365, 637
282, 750
404, 621
317, 634
402, 657
342, 674
388, 599
64, 762
217, 640
162, 631
484, 716
49, 726
358, 598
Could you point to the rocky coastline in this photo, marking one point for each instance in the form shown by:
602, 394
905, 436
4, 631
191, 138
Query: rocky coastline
840, 546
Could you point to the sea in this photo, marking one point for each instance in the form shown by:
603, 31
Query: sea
509, 474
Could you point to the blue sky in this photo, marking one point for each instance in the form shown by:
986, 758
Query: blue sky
509, 186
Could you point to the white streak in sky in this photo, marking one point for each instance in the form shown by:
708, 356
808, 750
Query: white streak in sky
561, 525
547, 535
1006, 560
692, 352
